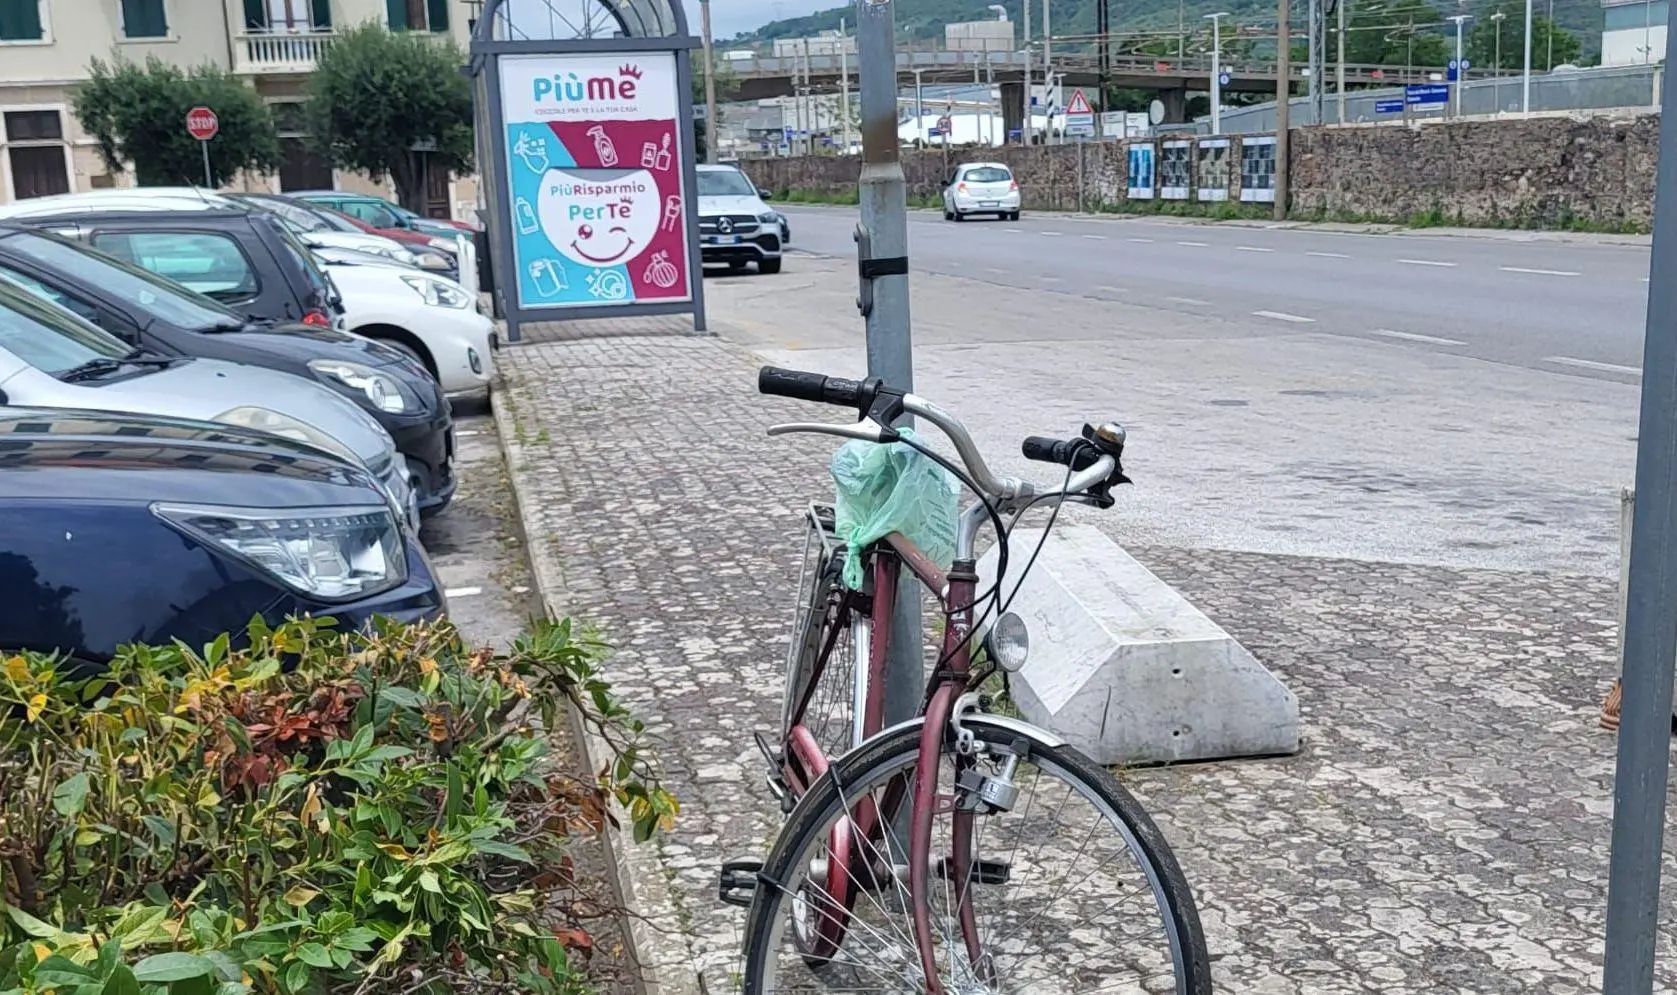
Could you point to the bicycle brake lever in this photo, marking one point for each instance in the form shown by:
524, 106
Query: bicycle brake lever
866, 430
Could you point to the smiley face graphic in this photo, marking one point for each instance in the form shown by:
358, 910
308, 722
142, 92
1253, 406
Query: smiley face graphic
598, 217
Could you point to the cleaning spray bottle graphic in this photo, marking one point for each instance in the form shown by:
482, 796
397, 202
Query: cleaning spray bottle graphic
663, 159
527, 222
603, 146
549, 278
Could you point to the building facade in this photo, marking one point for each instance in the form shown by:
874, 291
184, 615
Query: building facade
46, 46
1633, 32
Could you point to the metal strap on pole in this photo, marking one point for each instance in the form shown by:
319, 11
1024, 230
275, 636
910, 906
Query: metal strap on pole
1650, 641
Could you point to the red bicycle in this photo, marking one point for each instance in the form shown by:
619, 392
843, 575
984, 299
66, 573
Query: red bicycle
964, 850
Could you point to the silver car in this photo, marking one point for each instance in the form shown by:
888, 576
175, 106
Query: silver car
52, 358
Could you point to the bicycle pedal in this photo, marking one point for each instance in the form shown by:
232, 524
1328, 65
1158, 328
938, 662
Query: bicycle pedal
981, 871
739, 882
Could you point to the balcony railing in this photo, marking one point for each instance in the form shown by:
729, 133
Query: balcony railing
281, 51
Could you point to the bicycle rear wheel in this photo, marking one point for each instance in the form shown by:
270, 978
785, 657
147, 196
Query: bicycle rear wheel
826, 665
1070, 888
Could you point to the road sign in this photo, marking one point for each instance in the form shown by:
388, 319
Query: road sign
1418, 94
1454, 71
944, 124
1080, 130
1080, 117
1392, 106
201, 123
1078, 104
1223, 79
934, 132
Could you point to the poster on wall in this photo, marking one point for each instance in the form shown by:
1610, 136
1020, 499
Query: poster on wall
1257, 169
594, 153
1213, 168
1175, 169
1139, 185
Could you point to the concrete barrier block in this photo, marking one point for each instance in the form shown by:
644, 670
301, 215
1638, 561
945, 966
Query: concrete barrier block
1125, 669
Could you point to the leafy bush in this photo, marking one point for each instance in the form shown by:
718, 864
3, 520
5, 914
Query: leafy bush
317, 812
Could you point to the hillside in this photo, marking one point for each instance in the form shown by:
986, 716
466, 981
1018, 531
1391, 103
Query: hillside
924, 19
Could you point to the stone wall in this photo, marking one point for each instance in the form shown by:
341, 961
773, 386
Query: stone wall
1543, 171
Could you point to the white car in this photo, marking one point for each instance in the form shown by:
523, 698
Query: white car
981, 188
434, 320
735, 226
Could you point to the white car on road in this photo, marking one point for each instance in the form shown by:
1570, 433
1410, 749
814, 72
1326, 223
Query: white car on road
981, 188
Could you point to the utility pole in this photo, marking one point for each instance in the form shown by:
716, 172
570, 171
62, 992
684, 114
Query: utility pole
713, 134
1496, 59
1103, 42
1217, 70
882, 254
1461, 76
1181, 29
1318, 25
1549, 35
1339, 71
844, 91
919, 114
810, 123
1047, 78
1525, 77
1283, 103
1025, 124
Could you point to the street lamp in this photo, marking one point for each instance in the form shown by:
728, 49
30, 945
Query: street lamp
1496, 60
1001, 12
1461, 77
1217, 70
1525, 77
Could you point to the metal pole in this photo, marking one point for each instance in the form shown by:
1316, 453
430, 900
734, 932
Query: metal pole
844, 91
1318, 39
1181, 29
1217, 70
1549, 35
809, 106
1650, 639
1339, 62
1283, 103
209, 181
1496, 60
713, 135
1461, 75
1047, 78
919, 114
882, 237
1025, 125
1525, 77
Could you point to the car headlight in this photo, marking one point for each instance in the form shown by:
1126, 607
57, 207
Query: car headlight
769, 218
433, 260
445, 245
1008, 642
381, 391
267, 420
437, 293
334, 554
397, 253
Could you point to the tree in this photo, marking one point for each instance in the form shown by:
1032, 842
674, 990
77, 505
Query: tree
1483, 46
392, 104
1395, 33
137, 114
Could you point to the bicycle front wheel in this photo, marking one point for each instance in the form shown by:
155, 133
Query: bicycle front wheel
1065, 886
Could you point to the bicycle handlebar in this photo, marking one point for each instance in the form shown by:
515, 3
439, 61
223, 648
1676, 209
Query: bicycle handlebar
816, 387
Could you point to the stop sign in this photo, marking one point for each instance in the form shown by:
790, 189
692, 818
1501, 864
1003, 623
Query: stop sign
201, 123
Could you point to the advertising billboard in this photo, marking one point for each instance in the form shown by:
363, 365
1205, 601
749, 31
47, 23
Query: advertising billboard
595, 180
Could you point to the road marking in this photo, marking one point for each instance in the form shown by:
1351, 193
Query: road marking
1113, 290
465, 432
1415, 337
1425, 262
1098, 237
1328, 255
1590, 364
1538, 272
1051, 233
1189, 300
1197, 245
1049, 279
992, 269
1014, 231
1284, 316
1148, 241
1252, 248
462, 592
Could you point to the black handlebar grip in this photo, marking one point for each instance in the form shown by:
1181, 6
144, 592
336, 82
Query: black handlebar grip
791, 383
1043, 450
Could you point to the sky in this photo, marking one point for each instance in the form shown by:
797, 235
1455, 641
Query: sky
730, 17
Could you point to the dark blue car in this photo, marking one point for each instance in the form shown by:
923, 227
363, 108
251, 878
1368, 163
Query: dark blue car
120, 528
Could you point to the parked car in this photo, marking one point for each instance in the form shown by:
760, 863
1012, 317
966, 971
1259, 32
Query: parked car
381, 213
248, 261
151, 313
319, 227
735, 226
119, 528
980, 188
52, 358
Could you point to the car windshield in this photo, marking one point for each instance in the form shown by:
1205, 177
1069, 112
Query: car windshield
311, 270
299, 218
48, 337
725, 183
988, 174
89, 267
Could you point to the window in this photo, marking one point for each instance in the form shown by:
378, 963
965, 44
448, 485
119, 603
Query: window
48, 338
987, 174
66, 301
212, 264
143, 19
23, 20
36, 152
288, 16
1636, 16
416, 15
724, 183
372, 212
158, 297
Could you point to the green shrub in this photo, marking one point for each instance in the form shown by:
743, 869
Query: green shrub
319, 811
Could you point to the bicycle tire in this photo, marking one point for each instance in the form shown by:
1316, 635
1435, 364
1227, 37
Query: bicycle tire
887, 752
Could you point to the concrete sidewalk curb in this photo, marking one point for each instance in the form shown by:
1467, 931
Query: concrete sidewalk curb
656, 950
1537, 235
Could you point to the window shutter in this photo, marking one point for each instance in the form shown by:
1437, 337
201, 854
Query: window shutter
397, 10
20, 20
256, 15
144, 19
436, 12
321, 14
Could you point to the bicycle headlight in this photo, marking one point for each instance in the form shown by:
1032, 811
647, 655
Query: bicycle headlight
1008, 642
381, 391
438, 293
267, 420
333, 554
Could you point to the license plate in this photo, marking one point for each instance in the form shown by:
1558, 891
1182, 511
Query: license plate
989, 203
724, 239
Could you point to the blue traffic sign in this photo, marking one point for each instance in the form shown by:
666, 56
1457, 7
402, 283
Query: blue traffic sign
1416, 94
1013, 132
1454, 70
1392, 106
1223, 79
934, 132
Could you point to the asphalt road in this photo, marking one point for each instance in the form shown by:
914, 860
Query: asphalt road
1566, 306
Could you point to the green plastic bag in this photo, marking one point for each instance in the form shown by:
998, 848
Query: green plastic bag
892, 487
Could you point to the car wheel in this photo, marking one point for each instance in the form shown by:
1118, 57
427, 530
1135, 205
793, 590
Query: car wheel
1013, 216
735, 266
408, 351
948, 215
768, 266
959, 216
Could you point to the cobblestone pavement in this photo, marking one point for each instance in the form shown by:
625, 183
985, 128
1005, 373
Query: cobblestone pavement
1444, 829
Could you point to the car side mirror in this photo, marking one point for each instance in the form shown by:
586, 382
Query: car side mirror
765, 193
